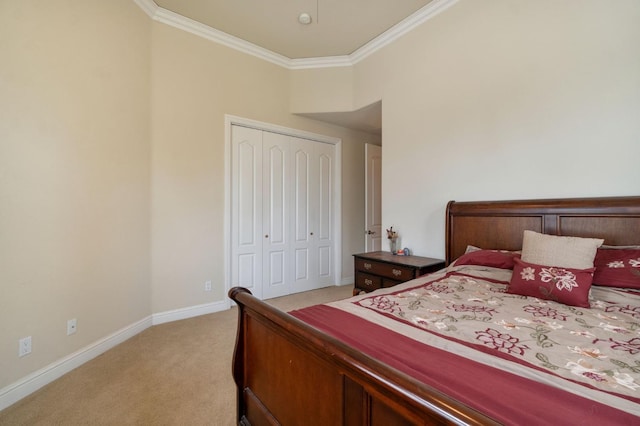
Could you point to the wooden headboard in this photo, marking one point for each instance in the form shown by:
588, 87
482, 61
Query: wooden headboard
500, 224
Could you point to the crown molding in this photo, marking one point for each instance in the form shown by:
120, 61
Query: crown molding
403, 27
175, 20
186, 24
148, 6
320, 62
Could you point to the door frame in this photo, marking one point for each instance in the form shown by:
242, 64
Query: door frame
231, 120
368, 151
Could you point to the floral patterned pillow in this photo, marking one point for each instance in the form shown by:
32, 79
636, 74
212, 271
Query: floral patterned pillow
502, 259
563, 285
617, 268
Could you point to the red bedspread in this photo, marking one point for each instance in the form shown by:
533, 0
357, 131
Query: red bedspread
506, 397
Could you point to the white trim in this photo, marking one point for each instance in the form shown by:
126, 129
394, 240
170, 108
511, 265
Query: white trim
181, 22
178, 21
227, 207
323, 62
190, 312
230, 120
148, 6
34, 381
406, 25
337, 211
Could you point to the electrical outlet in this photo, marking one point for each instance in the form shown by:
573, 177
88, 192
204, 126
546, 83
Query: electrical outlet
207, 286
24, 346
72, 326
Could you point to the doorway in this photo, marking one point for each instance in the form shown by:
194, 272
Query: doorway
373, 197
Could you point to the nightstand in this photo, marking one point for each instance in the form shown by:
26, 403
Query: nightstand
380, 269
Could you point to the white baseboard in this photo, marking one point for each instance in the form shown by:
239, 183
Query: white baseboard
34, 381
190, 312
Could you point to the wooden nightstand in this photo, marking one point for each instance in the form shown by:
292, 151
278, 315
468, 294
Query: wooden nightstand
379, 269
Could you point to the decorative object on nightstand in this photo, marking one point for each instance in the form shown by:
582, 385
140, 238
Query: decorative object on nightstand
379, 269
392, 236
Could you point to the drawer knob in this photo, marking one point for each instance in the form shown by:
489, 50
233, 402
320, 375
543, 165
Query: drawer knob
396, 272
368, 282
367, 266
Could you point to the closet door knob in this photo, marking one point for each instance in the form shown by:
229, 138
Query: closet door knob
266, 236
311, 233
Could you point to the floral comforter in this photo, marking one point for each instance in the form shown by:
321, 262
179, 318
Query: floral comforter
466, 310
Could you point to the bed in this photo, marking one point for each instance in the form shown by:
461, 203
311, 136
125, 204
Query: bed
388, 357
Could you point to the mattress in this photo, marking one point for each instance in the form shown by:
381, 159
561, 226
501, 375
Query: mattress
518, 359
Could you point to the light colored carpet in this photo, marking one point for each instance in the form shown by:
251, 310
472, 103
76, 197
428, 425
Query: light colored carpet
177, 373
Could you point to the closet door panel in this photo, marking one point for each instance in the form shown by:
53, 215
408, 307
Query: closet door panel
246, 208
275, 199
324, 264
301, 265
249, 197
324, 221
303, 212
276, 213
248, 264
325, 197
301, 162
275, 269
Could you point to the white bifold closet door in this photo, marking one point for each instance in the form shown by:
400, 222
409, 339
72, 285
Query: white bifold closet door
282, 212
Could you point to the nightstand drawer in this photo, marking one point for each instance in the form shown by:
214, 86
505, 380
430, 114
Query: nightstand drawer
395, 272
368, 282
386, 282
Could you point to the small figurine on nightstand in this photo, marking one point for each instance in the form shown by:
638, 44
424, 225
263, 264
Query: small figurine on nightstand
403, 252
393, 240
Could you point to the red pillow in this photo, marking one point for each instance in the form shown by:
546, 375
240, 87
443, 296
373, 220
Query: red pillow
494, 258
563, 285
617, 268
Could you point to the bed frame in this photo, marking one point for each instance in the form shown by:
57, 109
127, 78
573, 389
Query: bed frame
288, 373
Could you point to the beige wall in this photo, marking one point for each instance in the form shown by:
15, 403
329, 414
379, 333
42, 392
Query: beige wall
74, 175
506, 99
112, 170
322, 90
194, 84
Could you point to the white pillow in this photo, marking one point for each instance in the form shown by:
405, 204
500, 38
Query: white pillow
564, 252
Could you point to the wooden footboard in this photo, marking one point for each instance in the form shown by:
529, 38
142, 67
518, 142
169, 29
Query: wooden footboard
288, 373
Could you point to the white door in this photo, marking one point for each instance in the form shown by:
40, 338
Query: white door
282, 212
373, 198
322, 231
312, 220
276, 210
246, 209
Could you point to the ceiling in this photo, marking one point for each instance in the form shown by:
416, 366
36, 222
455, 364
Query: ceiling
338, 28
